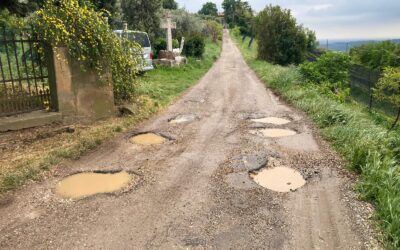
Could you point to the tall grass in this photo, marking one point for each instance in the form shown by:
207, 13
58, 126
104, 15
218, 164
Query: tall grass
361, 137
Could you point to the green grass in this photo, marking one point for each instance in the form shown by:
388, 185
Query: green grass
360, 136
162, 84
159, 88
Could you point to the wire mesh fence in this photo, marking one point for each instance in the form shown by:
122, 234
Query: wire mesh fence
362, 82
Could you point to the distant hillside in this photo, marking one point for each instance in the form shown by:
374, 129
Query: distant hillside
347, 45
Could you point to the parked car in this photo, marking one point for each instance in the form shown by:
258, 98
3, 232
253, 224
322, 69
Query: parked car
142, 38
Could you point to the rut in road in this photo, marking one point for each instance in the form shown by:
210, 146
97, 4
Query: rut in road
195, 191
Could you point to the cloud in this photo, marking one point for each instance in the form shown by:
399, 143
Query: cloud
334, 18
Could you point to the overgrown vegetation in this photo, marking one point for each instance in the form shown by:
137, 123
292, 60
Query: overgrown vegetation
330, 74
89, 40
360, 136
388, 89
283, 41
377, 56
157, 89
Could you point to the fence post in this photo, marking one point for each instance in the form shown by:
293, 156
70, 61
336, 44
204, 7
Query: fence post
52, 77
370, 90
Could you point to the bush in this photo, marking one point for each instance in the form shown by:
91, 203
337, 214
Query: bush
388, 89
214, 29
159, 44
194, 46
280, 39
331, 73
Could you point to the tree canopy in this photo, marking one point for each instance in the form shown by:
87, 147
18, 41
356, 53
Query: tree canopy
142, 15
377, 56
209, 9
238, 13
170, 4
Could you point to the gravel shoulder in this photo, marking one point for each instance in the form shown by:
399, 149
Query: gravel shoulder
194, 191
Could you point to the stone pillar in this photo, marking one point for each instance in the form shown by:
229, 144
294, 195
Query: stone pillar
81, 95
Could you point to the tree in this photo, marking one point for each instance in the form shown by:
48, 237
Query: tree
21, 8
388, 89
280, 39
143, 15
170, 4
214, 29
209, 9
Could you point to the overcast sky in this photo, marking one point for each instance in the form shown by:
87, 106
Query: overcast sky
334, 19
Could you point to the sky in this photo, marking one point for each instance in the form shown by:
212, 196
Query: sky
334, 19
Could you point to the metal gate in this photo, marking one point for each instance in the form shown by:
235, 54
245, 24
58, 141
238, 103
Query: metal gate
24, 78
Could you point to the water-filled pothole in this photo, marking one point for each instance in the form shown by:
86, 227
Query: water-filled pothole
279, 179
274, 132
86, 184
183, 118
148, 139
272, 120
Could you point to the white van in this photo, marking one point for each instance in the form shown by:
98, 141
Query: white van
143, 40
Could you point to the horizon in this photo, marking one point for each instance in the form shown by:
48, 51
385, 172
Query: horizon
339, 19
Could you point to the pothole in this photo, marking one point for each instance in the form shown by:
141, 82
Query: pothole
148, 139
183, 119
90, 183
279, 179
272, 120
273, 132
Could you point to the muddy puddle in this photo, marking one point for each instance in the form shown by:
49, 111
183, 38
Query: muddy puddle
274, 132
183, 119
148, 139
86, 184
272, 120
279, 179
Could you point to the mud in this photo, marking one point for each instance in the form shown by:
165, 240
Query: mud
196, 193
87, 184
148, 139
272, 120
279, 179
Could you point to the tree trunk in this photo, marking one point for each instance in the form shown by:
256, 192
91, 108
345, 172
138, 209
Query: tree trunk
397, 119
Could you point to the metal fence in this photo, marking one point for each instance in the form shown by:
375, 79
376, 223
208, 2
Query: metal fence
24, 80
362, 82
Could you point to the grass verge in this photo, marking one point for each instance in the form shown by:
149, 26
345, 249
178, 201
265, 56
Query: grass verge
361, 137
158, 88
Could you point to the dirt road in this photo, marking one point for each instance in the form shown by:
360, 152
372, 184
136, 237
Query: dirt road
195, 191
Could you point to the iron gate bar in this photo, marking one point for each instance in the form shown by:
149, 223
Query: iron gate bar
26, 85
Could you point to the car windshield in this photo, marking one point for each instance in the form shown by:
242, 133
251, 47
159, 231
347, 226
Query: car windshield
141, 38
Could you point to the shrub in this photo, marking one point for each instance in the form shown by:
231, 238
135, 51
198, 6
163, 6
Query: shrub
280, 39
388, 89
159, 44
194, 46
214, 29
330, 72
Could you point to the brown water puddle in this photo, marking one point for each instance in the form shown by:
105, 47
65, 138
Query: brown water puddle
87, 184
148, 139
273, 132
272, 120
279, 179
